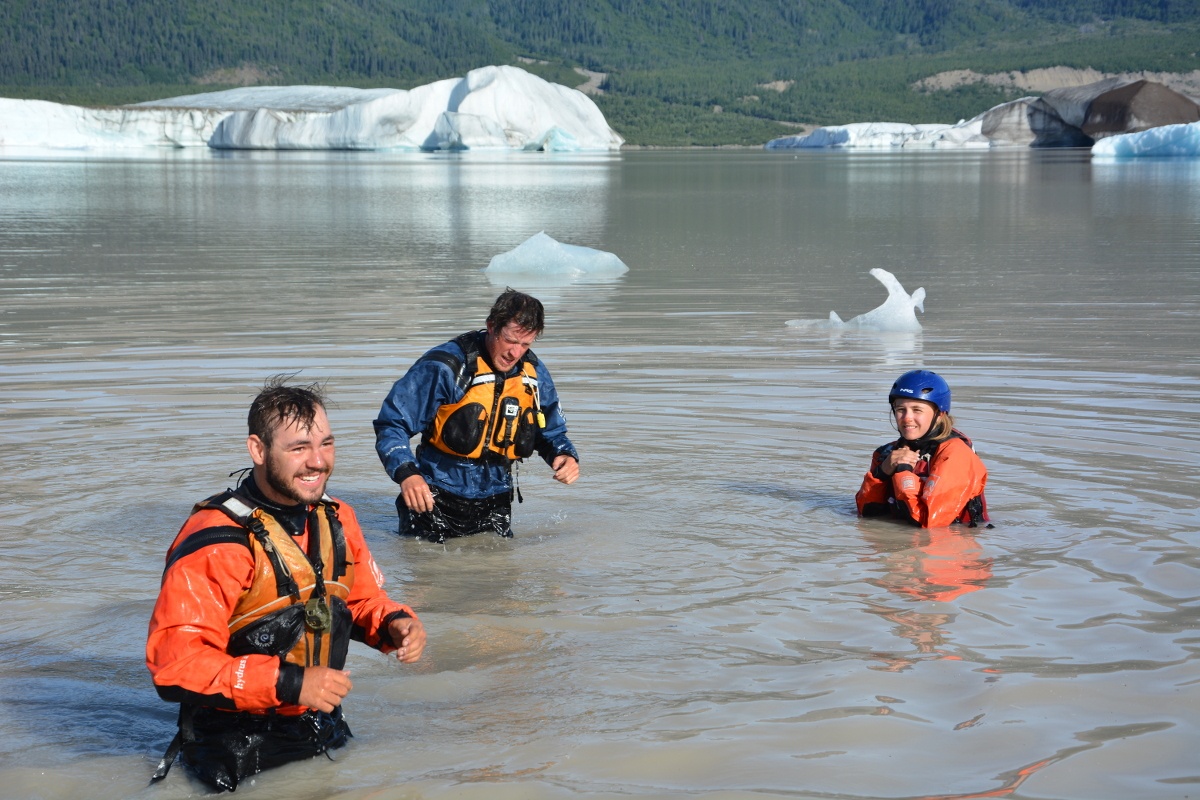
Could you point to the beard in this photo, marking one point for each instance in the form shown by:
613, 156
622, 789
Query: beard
283, 484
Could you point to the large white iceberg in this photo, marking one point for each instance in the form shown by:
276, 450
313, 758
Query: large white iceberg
543, 255
491, 108
898, 312
1169, 140
863, 135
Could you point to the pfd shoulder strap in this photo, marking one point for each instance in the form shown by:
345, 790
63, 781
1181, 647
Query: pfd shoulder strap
339, 539
957, 434
241, 511
463, 368
205, 537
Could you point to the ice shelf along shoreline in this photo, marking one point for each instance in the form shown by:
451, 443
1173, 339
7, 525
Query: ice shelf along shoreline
506, 108
492, 108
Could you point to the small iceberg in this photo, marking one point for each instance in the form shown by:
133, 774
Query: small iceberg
1168, 140
898, 312
874, 135
542, 255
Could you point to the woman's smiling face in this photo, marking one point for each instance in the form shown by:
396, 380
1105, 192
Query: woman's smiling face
913, 418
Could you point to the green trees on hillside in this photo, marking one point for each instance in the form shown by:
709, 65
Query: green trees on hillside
145, 41
1090, 11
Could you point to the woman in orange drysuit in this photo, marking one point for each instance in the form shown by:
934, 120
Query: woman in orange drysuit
930, 476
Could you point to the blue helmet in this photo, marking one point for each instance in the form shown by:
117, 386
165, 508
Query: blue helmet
921, 384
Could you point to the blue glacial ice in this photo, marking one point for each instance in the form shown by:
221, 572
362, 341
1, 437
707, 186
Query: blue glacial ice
898, 313
542, 255
1167, 140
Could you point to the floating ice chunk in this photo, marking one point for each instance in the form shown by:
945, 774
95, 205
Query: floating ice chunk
963, 136
540, 254
1168, 140
528, 108
968, 134
898, 312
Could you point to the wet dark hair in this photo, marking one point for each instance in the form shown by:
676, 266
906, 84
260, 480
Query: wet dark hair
279, 404
513, 306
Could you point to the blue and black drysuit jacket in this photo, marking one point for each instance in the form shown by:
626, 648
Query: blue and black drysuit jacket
411, 406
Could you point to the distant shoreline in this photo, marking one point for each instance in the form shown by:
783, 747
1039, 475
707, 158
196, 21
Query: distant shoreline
1043, 80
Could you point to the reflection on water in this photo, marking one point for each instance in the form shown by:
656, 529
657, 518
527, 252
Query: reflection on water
937, 565
702, 613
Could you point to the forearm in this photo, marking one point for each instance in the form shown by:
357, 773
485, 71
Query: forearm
406, 412
551, 448
872, 496
906, 488
187, 646
370, 607
392, 445
187, 669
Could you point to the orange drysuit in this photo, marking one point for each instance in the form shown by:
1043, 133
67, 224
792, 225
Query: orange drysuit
188, 648
946, 487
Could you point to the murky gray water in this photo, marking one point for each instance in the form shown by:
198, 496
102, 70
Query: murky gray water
702, 615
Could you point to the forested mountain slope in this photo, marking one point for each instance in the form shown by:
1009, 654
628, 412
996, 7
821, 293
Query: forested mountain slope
676, 71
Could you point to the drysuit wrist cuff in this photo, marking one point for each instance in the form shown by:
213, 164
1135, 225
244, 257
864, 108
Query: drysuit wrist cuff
385, 630
287, 685
902, 468
405, 471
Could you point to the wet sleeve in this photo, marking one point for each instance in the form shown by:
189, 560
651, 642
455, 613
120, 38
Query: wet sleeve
955, 476
876, 488
189, 632
407, 411
370, 607
552, 440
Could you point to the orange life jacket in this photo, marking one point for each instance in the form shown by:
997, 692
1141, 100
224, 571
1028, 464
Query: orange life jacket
292, 608
497, 417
